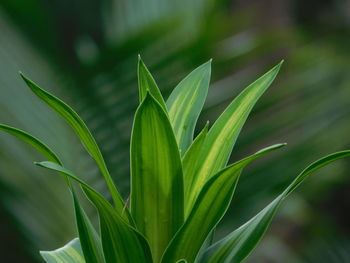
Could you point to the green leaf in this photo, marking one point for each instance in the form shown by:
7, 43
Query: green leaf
84, 135
186, 102
89, 239
70, 253
211, 205
207, 243
147, 83
238, 245
32, 141
156, 176
189, 163
120, 241
222, 136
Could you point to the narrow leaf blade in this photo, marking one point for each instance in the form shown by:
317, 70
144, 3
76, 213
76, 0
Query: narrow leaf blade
32, 141
189, 163
148, 84
82, 132
238, 245
186, 102
70, 253
89, 239
156, 176
208, 210
222, 136
120, 241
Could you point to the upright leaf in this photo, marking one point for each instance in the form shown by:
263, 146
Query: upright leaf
186, 102
70, 253
156, 176
120, 241
84, 135
222, 136
148, 84
89, 239
208, 210
189, 163
238, 245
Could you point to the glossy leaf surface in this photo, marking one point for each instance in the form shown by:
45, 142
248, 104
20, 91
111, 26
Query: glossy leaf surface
209, 208
90, 241
82, 132
32, 141
186, 102
222, 136
70, 253
120, 241
147, 83
156, 176
237, 246
189, 163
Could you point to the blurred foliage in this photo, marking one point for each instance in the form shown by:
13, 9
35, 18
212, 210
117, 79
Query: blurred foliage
85, 52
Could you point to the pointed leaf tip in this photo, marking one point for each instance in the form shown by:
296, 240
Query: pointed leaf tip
236, 246
271, 148
186, 102
208, 63
154, 152
146, 82
83, 133
222, 136
27, 80
217, 192
279, 65
140, 61
206, 126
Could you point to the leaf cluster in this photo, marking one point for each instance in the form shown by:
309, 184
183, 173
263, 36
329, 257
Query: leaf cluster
181, 186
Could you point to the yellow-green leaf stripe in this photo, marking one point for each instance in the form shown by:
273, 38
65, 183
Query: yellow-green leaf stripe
237, 246
222, 136
70, 253
156, 176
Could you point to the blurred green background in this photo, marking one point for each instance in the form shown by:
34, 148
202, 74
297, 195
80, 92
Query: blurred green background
85, 52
